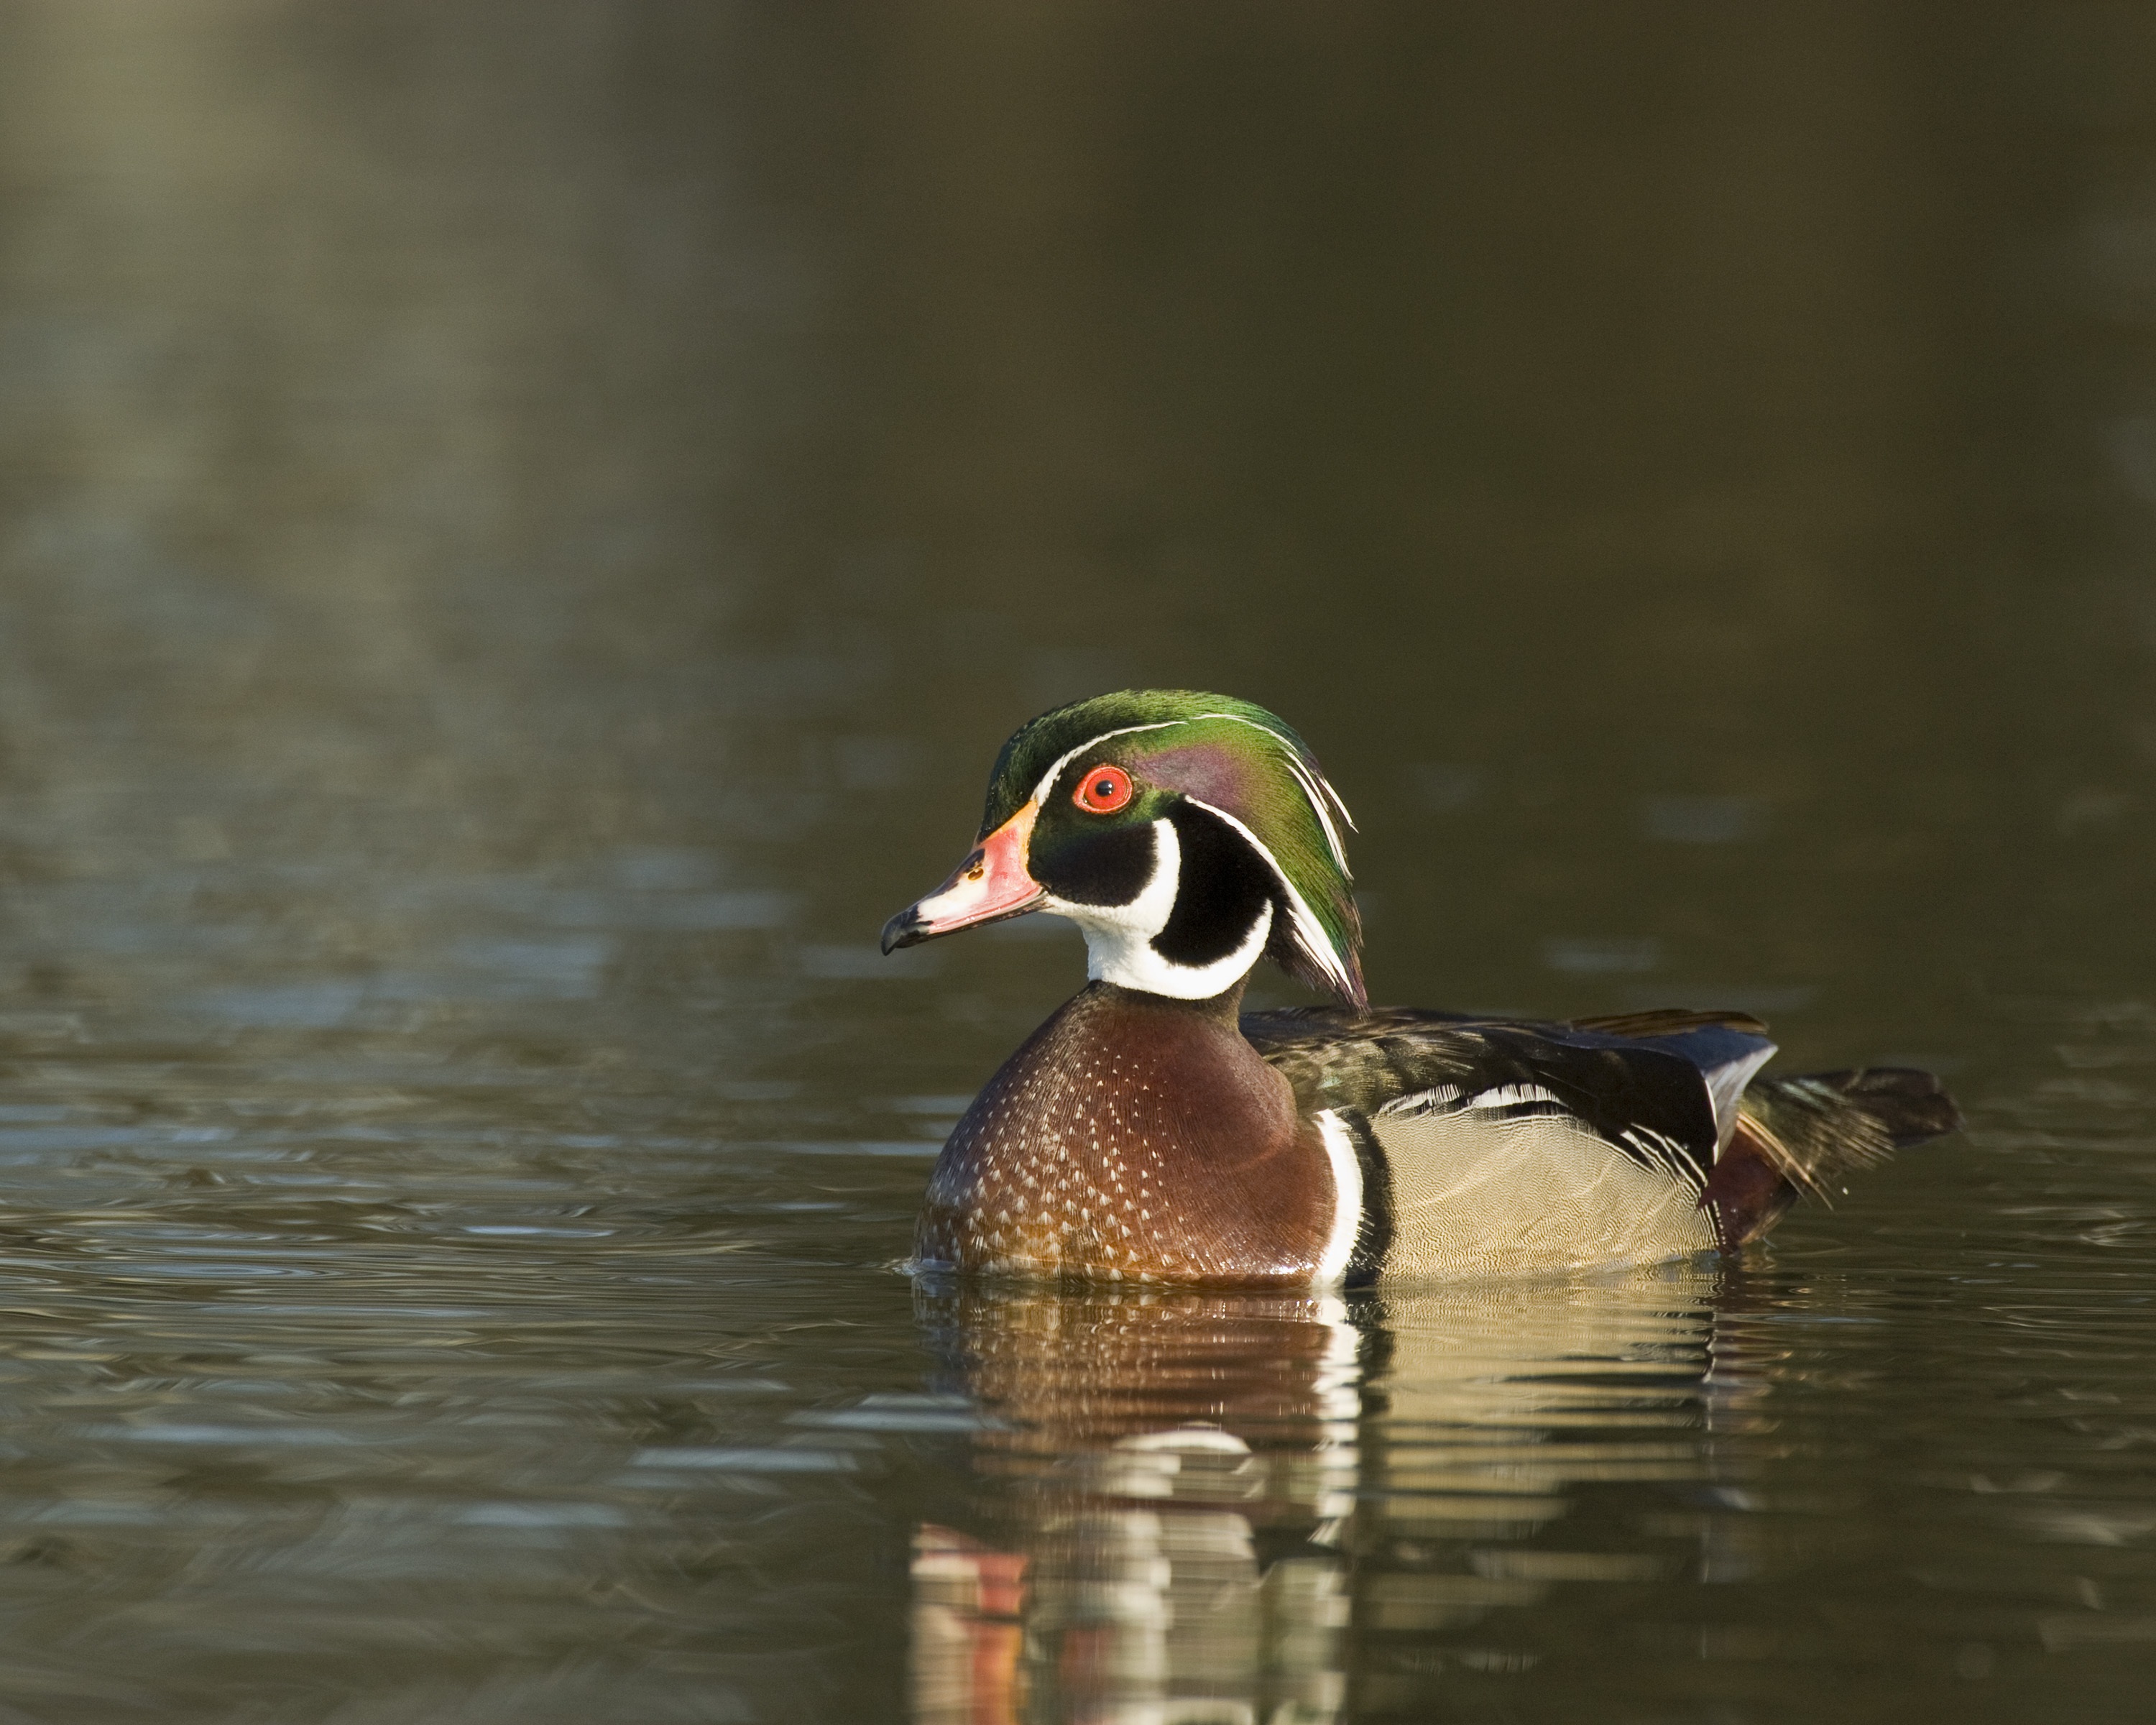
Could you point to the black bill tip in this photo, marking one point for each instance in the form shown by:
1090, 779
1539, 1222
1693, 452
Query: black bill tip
905, 929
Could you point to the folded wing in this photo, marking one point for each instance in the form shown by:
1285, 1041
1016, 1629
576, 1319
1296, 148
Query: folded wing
1492, 1147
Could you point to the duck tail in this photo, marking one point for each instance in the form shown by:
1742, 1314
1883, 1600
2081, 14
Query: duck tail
1801, 1136
1907, 1105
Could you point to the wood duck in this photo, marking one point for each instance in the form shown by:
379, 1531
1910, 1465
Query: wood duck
1149, 1134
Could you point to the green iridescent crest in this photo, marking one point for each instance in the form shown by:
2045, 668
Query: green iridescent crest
1243, 763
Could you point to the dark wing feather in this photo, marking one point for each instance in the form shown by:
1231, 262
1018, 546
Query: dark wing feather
1667, 1021
1650, 1097
1750, 1146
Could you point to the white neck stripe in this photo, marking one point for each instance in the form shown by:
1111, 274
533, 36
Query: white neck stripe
1119, 938
1309, 933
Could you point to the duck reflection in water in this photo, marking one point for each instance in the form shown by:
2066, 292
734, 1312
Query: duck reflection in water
1195, 1508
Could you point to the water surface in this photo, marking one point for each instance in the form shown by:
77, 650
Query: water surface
521, 529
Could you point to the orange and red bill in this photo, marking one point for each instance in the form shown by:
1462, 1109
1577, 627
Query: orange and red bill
991, 885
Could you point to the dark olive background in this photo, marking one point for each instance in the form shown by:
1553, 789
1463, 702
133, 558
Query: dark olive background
521, 529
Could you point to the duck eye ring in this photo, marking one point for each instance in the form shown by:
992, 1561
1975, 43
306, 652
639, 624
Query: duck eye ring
1103, 790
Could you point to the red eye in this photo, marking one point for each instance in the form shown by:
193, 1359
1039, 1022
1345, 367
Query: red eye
1103, 791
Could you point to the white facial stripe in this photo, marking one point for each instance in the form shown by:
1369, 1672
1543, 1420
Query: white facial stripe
1119, 938
1048, 778
1318, 792
1307, 932
1316, 801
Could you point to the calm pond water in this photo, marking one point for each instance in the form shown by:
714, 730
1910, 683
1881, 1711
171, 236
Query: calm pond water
521, 529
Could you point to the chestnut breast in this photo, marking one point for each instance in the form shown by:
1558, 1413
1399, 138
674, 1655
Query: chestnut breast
1133, 1138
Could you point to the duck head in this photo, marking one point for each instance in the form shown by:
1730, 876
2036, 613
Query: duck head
1188, 835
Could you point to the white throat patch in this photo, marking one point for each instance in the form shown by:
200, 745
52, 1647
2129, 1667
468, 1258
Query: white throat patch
1119, 938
